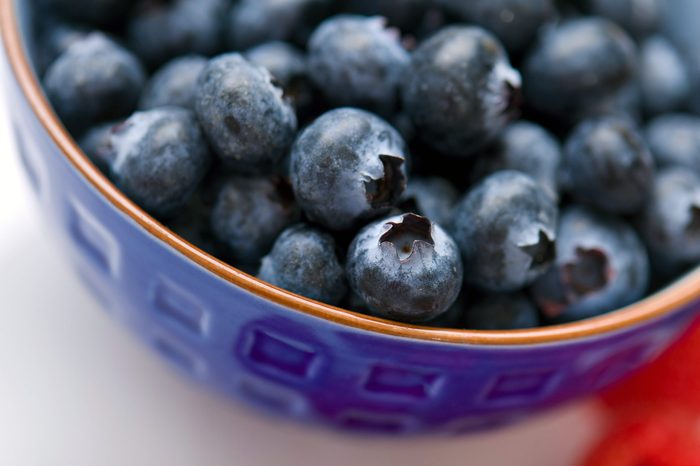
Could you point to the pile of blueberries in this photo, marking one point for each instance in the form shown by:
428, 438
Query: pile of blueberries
482, 164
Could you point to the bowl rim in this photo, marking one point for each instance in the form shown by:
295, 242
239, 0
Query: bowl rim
659, 304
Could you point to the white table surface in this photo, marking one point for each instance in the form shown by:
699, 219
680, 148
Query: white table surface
76, 389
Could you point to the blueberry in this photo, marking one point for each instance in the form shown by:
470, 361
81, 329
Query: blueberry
287, 65
250, 213
460, 90
639, 17
607, 165
453, 317
193, 224
53, 37
303, 260
515, 22
246, 119
174, 84
577, 66
97, 145
680, 25
94, 80
601, 265
95, 12
670, 223
403, 124
355, 61
433, 20
502, 311
355, 303
405, 14
528, 148
284, 61
674, 140
626, 102
348, 166
663, 77
431, 197
405, 268
159, 158
252, 22
505, 227
162, 30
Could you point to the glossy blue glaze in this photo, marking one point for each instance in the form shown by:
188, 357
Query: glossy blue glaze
295, 364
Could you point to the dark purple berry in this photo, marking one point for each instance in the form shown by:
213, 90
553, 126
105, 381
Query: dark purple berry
577, 67
501, 311
303, 260
608, 165
506, 229
460, 90
244, 115
405, 268
347, 167
159, 158
601, 265
250, 213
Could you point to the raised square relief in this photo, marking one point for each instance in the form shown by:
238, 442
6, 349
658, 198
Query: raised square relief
274, 354
614, 364
179, 355
369, 421
393, 381
271, 397
179, 307
93, 239
28, 158
520, 387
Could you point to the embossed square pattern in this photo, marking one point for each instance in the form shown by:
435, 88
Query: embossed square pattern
28, 163
93, 239
401, 382
616, 365
179, 307
485, 422
521, 387
375, 422
274, 354
177, 354
271, 397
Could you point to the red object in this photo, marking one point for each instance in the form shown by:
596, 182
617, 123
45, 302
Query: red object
655, 415
673, 378
657, 438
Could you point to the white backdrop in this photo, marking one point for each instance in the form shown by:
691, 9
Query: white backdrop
77, 390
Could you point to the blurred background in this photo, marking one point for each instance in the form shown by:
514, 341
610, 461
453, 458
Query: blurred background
76, 389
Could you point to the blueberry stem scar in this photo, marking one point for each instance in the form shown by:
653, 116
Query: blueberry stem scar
405, 235
588, 273
385, 191
541, 252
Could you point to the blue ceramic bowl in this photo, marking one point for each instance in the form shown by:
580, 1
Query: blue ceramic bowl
294, 356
